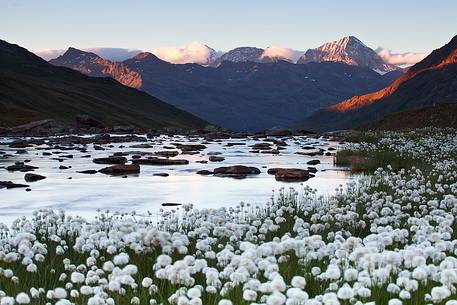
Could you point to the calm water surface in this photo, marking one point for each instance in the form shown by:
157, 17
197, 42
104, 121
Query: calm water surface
84, 194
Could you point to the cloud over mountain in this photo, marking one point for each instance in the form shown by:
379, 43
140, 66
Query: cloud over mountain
276, 51
400, 59
195, 52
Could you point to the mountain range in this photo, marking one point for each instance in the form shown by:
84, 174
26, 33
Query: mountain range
32, 89
245, 90
431, 82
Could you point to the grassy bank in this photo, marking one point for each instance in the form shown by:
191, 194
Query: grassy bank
368, 151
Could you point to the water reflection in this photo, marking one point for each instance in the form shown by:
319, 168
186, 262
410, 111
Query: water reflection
83, 194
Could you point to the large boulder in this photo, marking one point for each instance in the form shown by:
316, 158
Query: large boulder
167, 153
30, 177
236, 171
10, 185
189, 147
313, 162
110, 160
20, 167
204, 172
290, 174
121, 169
216, 158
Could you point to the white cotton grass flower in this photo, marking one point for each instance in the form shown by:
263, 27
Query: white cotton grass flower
249, 295
7, 301
194, 292
345, 293
276, 298
34, 293
86, 290
298, 282
130, 270
8, 273
121, 259
364, 292
32, 268
395, 302
440, 293
164, 260
225, 302
296, 295
77, 277
108, 266
146, 282
22, 298
60, 293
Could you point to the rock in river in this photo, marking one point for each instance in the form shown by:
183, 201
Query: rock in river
167, 153
10, 185
313, 162
161, 174
290, 174
20, 167
236, 171
121, 169
88, 171
110, 160
204, 172
216, 158
30, 177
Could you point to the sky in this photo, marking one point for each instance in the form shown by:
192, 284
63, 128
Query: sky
400, 26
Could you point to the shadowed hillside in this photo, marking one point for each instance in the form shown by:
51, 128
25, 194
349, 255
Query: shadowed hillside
32, 89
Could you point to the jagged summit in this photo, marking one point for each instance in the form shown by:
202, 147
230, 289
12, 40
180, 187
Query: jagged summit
349, 50
144, 56
92, 64
241, 54
75, 55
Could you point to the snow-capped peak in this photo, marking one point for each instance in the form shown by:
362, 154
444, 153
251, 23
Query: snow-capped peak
349, 50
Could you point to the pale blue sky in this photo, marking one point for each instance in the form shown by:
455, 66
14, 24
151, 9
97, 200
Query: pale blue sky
398, 25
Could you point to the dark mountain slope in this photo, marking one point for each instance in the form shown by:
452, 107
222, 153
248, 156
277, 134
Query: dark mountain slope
443, 116
31, 89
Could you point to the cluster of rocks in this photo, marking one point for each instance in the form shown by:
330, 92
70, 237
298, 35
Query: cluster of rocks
129, 162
